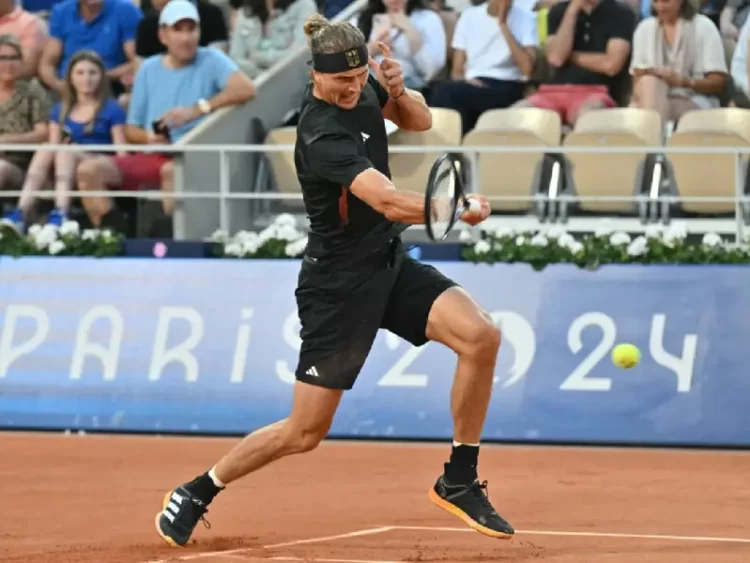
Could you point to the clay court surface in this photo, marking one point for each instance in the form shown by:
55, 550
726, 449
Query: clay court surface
87, 499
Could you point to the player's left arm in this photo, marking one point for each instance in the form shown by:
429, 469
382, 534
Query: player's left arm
404, 107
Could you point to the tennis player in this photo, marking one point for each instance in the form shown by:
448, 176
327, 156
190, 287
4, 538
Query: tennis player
356, 278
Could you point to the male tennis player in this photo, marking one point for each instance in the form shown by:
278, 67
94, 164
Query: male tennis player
357, 278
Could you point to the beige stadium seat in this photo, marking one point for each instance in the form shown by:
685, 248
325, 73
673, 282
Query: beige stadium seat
512, 174
410, 171
611, 174
703, 175
282, 163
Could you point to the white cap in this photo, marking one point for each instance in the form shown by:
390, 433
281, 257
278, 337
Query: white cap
178, 10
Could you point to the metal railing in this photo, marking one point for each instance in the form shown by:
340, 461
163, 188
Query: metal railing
651, 199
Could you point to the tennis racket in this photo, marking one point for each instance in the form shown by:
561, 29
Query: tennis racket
444, 200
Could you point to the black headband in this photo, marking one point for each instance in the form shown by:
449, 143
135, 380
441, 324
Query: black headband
341, 62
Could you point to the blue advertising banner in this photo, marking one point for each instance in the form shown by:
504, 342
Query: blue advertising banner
210, 346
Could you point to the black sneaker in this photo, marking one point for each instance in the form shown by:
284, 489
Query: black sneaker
471, 504
180, 515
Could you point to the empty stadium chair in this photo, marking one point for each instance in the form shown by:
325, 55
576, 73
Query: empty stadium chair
611, 174
282, 163
703, 175
512, 174
410, 171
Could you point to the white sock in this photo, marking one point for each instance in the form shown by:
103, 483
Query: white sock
456, 444
215, 479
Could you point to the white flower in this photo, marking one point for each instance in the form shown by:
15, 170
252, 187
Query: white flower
464, 235
249, 246
556, 232
619, 238
285, 220
219, 235
605, 228
70, 228
575, 247
539, 240
296, 248
482, 247
244, 236
90, 234
46, 236
676, 232
107, 235
638, 247
712, 240
653, 231
520, 240
34, 230
503, 232
233, 249
56, 246
268, 233
567, 241
287, 233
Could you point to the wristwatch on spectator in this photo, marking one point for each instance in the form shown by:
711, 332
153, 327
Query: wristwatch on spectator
205, 106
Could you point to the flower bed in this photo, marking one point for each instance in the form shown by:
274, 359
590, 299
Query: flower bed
66, 240
554, 246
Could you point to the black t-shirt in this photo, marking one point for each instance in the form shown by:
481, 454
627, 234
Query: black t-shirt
333, 147
213, 30
610, 19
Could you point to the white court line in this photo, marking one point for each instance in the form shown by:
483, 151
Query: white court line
586, 534
330, 560
204, 554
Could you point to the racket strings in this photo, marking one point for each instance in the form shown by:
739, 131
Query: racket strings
442, 204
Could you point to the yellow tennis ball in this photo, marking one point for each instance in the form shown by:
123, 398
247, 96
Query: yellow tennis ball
626, 355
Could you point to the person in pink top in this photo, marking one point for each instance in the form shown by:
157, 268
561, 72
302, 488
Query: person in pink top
29, 29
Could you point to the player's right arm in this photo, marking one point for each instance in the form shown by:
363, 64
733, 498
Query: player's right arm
335, 157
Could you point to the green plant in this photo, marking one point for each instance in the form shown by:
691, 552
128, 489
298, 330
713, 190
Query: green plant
554, 246
66, 240
281, 239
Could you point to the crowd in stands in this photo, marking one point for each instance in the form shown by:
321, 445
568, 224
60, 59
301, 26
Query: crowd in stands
99, 72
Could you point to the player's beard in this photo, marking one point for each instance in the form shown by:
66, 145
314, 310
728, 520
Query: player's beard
348, 100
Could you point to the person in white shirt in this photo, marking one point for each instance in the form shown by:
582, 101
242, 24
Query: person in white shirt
495, 46
415, 35
739, 68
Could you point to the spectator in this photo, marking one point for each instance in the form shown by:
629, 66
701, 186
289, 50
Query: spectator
24, 112
732, 19
494, 54
415, 34
587, 49
88, 115
739, 69
214, 31
172, 93
266, 31
107, 27
30, 30
678, 61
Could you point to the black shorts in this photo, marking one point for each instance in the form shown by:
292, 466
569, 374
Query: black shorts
341, 310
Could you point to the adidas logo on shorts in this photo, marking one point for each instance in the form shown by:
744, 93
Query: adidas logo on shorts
312, 371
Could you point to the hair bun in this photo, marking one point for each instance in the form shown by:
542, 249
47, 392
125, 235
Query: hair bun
314, 23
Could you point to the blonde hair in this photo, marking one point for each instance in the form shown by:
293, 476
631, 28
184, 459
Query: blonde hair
331, 37
70, 97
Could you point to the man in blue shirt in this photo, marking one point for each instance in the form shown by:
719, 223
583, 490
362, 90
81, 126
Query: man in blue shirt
172, 93
108, 27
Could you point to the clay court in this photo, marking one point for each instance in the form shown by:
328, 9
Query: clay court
93, 498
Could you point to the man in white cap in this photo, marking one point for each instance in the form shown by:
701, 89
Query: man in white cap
172, 93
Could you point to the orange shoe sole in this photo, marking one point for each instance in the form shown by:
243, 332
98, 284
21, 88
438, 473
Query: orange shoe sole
448, 507
167, 539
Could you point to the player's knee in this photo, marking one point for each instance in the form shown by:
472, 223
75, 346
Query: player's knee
483, 338
303, 438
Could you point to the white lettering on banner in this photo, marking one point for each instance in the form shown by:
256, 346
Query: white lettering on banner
682, 366
396, 376
290, 334
578, 380
240, 350
84, 347
182, 352
519, 334
9, 352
